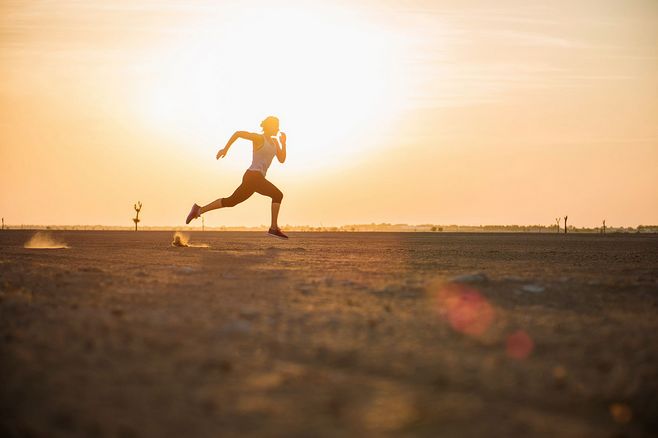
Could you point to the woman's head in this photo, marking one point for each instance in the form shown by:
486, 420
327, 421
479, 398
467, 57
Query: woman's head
270, 125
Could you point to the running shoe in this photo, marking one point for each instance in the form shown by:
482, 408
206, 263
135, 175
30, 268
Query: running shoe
276, 232
194, 213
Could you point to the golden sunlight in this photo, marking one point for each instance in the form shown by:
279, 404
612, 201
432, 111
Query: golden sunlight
328, 75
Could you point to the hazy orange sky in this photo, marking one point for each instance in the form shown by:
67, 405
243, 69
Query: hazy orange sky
468, 112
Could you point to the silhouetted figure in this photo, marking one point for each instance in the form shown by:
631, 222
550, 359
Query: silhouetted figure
3, 223
557, 223
265, 148
565, 224
138, 208
603, 229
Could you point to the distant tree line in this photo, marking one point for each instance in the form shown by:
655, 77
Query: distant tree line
382, 227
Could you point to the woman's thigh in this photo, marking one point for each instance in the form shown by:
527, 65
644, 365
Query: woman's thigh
266, 188
241, 194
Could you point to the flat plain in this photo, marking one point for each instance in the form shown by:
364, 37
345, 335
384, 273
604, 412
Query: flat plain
329, 334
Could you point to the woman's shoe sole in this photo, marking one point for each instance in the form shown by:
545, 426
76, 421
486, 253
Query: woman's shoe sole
278, 237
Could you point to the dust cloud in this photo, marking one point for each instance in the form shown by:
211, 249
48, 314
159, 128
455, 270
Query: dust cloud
43, 240
183, 240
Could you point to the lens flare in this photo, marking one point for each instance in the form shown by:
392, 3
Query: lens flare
465, 309
519, 345
621, 413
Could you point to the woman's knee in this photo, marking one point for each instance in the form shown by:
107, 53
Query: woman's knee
277, 197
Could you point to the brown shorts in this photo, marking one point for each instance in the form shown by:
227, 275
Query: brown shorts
253, 182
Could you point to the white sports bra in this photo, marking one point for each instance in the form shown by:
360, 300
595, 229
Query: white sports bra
263, 156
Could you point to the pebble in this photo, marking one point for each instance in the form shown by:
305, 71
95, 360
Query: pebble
238, 327
248, 313
185, 270
478, 277
408, 293
306, 289
533, 288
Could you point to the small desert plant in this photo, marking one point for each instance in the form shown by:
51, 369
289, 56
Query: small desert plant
138, 208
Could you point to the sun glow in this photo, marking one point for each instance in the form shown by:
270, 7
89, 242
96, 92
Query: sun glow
328, 75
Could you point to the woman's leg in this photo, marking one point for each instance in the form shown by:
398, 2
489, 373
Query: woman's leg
214, 205
266, 188
275, 214
241, 194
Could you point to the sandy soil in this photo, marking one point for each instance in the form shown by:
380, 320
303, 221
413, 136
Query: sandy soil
351, 334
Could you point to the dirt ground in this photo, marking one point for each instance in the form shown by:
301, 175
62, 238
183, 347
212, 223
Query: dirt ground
329, 334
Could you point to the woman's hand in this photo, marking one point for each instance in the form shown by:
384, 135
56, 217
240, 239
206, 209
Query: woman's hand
221, 153
281, 151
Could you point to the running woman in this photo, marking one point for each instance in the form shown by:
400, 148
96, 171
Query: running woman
265, 147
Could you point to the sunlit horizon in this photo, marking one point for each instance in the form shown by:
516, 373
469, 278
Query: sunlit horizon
433, 113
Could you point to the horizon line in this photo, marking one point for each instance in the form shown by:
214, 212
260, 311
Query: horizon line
345, 227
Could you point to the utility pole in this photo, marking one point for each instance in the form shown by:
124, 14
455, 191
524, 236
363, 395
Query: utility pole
557, 222
603, 230
203, 223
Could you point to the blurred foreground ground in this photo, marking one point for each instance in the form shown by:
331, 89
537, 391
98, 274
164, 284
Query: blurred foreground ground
346, 334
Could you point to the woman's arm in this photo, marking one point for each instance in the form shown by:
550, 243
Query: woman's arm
238, 134
281, 151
